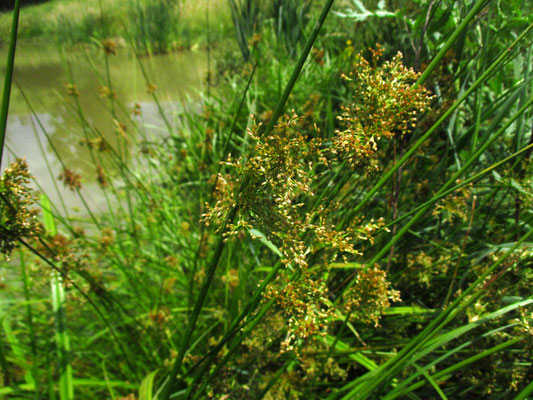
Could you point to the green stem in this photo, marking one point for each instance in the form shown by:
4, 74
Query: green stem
296, 72
6, 94
176, 367
447, 46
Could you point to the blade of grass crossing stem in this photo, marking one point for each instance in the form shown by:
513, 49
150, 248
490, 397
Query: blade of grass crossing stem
6, 94
463, 364
449, 337
453, 335
231, 216
107, 381
431, 381
66, 386
384, 179
287, 365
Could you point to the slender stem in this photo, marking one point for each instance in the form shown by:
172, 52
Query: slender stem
6, 94
176, 367
458, 32
296, 72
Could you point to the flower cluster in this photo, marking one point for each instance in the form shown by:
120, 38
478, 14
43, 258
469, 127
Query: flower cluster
16, 219
63, 251
109, 46
422, 268
305, 306
385, 103
455, 206
107, 93
370, 296
71, 179
97, 143
72, 90
101, 176
272, 190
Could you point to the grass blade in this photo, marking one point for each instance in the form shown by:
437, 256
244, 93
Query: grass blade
6, 94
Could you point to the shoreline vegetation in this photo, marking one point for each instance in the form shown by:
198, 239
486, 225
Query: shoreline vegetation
345, 213
154, 26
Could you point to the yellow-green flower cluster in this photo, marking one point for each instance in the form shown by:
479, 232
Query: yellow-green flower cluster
385, 103
16, 219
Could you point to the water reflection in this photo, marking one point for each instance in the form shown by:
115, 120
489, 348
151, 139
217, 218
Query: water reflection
42, 73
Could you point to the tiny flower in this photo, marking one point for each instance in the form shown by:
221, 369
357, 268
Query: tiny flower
151, 88
109, 46
71, 179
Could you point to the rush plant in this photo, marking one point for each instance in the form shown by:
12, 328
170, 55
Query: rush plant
342, 220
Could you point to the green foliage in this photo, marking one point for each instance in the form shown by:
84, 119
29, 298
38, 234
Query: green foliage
154, 25
372, 242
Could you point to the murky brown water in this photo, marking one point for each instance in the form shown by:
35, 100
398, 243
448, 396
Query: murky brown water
42, 74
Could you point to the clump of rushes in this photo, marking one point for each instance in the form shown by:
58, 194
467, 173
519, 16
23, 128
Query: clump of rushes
17, 219
273, 188
385, 103
280, 179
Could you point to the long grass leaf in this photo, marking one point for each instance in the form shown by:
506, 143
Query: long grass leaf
6, 93
146, 388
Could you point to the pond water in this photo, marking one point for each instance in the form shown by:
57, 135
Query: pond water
42, 74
